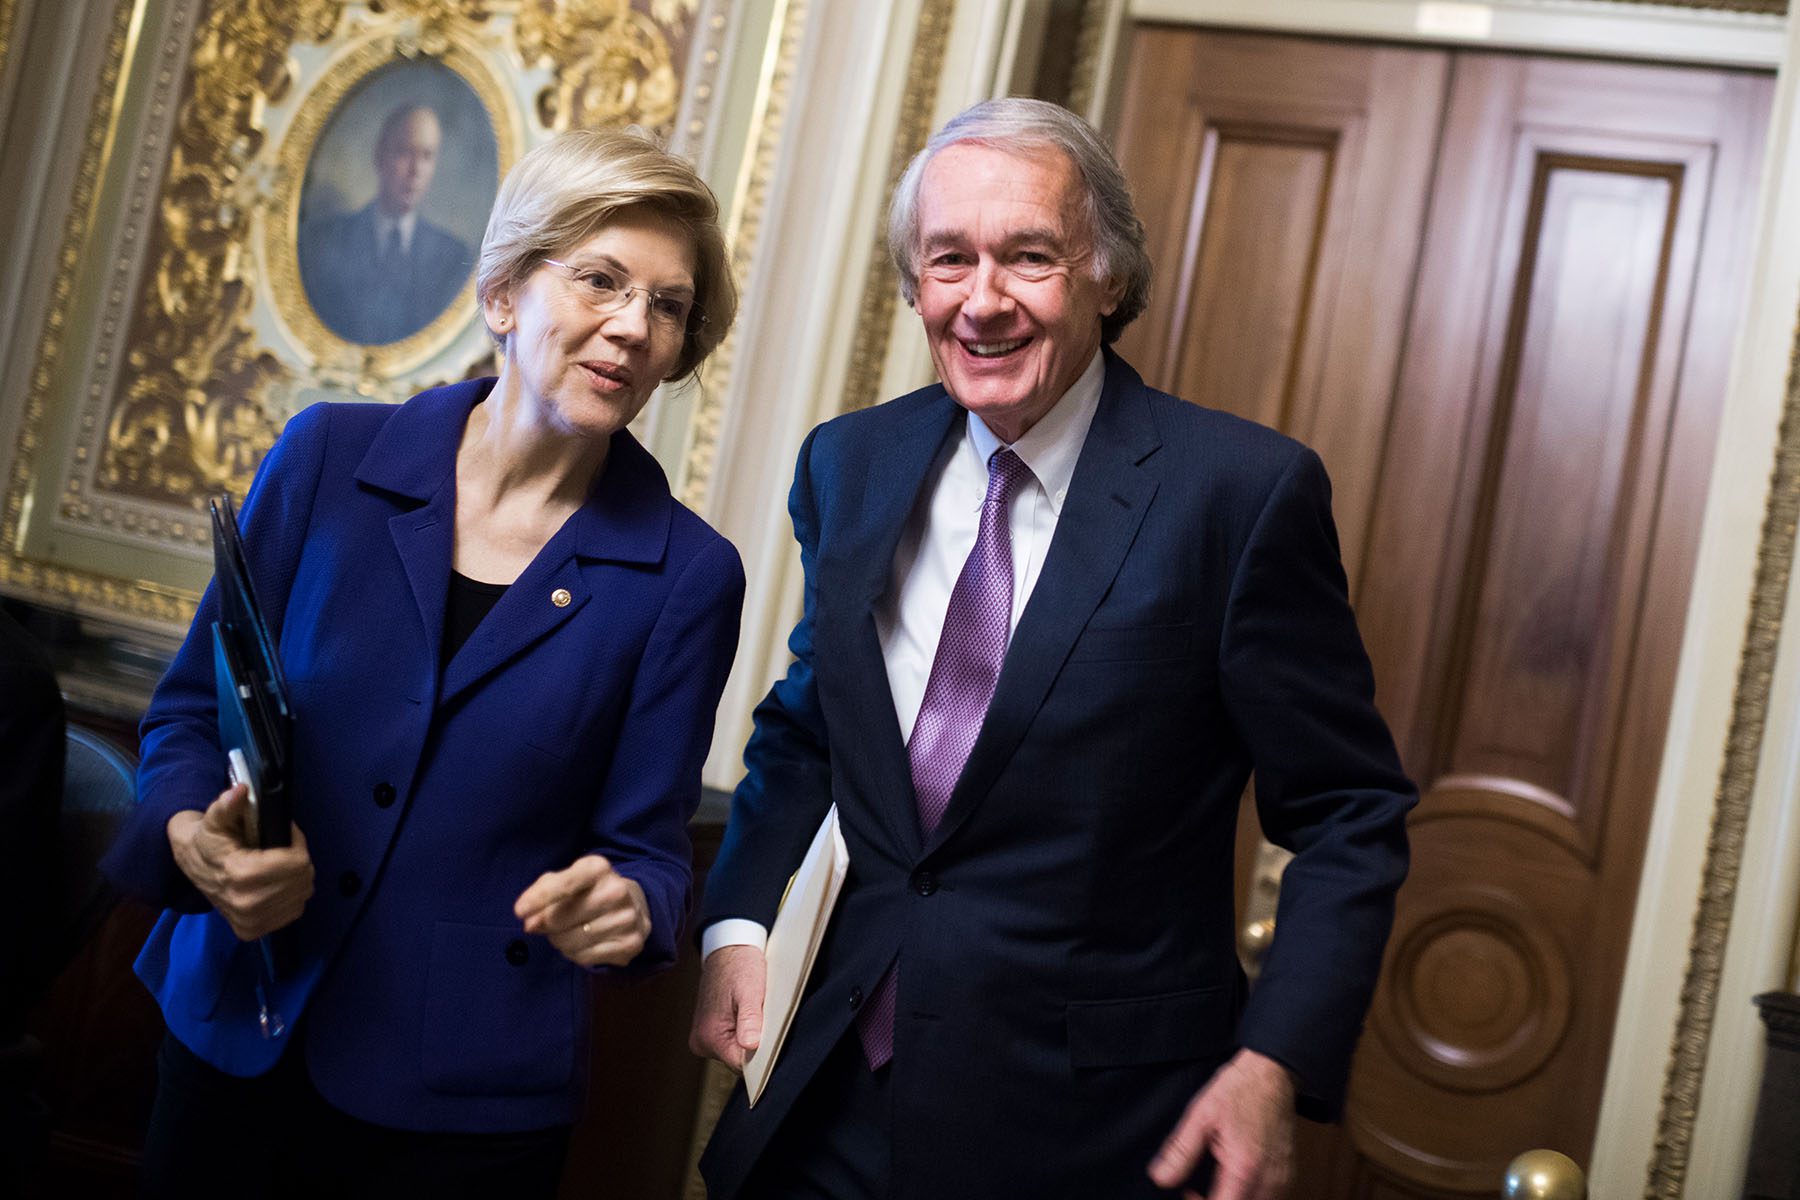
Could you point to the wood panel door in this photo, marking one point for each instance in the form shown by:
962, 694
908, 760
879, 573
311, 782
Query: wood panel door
1519, 483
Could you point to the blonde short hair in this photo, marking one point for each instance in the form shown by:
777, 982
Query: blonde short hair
564, 191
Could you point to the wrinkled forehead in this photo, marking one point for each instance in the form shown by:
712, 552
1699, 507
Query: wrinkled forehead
1011, 190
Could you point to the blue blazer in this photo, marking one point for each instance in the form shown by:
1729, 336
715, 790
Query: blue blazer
430, 799
1066, 941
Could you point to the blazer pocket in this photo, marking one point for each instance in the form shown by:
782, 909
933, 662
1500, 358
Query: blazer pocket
1137, 643
1172, 1027
499, 1016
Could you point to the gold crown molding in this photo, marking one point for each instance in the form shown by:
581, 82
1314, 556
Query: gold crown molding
84, 590
1731, 809
875, 315
743, 234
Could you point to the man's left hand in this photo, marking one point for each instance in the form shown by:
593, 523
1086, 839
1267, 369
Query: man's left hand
591, 913
1245, 1117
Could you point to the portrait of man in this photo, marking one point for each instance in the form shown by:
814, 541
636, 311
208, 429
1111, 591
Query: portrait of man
384, 271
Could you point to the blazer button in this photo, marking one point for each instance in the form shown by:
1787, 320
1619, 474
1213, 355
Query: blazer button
925, 881
349, 883
384, 794
855, 998
517, 952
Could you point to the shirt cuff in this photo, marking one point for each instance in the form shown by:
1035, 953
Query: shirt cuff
732, 931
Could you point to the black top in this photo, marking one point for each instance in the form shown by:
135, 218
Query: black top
470, 600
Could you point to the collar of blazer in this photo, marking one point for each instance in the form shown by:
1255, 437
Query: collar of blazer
625, 519
627, 514
1108, 497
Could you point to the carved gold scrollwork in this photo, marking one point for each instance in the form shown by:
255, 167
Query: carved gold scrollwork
614, 63
189, 421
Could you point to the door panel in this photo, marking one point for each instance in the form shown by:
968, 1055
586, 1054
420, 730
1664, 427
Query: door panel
1282, 184
1502, 311
1539, 509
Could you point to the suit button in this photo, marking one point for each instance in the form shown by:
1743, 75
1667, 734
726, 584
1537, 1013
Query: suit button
517, 952
384, 794
349, 883
855, 998
925, 881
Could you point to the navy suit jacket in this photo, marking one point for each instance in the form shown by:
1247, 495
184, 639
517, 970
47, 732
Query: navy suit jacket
431, 798
364, 299
1068, 967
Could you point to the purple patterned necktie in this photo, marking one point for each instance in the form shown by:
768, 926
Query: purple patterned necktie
971, 648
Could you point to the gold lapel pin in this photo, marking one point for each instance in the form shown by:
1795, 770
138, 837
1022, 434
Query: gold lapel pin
560, 597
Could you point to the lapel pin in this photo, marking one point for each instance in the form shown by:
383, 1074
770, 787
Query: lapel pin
560, 597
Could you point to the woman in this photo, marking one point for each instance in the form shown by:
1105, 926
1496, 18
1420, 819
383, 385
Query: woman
504, 643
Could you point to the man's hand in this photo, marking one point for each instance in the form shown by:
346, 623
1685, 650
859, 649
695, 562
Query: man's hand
728, 1018
256, 891
1245, 1117
591, 913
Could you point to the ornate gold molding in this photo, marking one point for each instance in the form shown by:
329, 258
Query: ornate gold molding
1731, 809
744, 235
134, 599
875, 314
614, 65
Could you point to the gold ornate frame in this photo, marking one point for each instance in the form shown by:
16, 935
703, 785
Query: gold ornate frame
164, 367
280, 238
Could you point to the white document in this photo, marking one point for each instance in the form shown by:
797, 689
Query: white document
794, 942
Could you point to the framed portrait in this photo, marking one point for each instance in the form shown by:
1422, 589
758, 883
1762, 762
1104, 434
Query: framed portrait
277, 204
392, 168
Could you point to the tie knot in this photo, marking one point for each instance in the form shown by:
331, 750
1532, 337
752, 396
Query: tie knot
1006, 472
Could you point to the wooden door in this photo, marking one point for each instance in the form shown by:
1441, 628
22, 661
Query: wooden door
1520, 500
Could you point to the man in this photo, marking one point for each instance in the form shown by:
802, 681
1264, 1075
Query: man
384, 272
1053, 619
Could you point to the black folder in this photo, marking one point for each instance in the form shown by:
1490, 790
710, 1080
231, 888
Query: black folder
255, 721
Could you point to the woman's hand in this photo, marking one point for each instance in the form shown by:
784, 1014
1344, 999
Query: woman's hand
590, 912
256, 891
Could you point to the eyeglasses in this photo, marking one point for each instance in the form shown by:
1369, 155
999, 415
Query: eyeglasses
672, 312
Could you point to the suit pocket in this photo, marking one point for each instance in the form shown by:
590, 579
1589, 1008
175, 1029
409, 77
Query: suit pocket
1137, 643
1137, 1031
499, 1015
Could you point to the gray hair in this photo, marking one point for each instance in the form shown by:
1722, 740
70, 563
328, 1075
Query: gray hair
1018, 124
566, 190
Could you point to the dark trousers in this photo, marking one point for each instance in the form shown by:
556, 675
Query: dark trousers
215, 1135
837, 1142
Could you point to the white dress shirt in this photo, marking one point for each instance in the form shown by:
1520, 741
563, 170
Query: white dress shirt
940, 532
387, 228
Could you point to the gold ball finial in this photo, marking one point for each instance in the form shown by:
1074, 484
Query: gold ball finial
1544, 1175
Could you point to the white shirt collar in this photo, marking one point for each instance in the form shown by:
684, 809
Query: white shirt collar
1051, 446
404, 223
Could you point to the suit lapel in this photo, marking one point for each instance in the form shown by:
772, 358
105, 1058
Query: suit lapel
1108, 497
896, 476
424, 538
